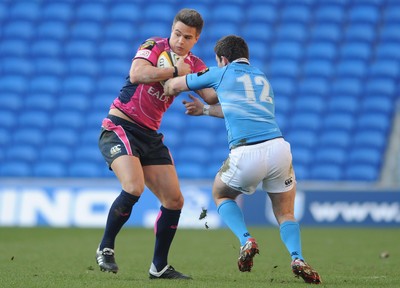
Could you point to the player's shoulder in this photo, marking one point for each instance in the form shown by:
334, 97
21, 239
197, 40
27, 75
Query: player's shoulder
154, 42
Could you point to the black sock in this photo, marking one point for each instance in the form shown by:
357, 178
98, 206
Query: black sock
165, 228
117, 216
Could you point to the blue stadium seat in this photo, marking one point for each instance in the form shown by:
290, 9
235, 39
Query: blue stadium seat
16, 66
198, 138
321, 50
326, 172
351, 68
380, 105
74, 102
80, 48
287, 50
384, 69
24, 10
389, 34
46, 48
120, 31
355, 50
282, 86
173, 121
334, 139
63, 136
370, 138
45, 84
84, 67
49, 169
23, 30
382, 87
16, 169
161, 11
117, 49
49, 66
68, 119
114, 67
86, 30
83, 169
302, 156
52, 30
13, 47
362, 173
326, 13
227, 12
34, 119
12, 84
11, 102
56, 153
347, 86
365, 156
339, 121
391, 14
386, 51
91, 135
28, 135
190, 170
93, 11
195, 154
330, 32
94, 119
102, 101
318, 68
361, 32
60, 11
111, 84
295, 13
89, 153
257, 31
125, 11
21, 152
78, 84
315, 86
378, 121
309, 104
262, 13
303, 121
364, 14
217, 30
291, 32
302, 172
343, 103
330, 155
40, 101
299, 138
283, 68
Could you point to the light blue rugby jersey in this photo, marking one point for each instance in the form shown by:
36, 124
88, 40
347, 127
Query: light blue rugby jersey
249, 112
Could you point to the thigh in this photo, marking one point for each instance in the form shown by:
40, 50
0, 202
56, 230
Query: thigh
162, 180
129, 172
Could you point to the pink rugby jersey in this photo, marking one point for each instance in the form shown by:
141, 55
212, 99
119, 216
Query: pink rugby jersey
146, 103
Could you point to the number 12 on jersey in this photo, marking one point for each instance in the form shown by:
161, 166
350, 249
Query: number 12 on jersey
250, 91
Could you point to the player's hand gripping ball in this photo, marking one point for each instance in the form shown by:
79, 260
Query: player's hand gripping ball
167, 59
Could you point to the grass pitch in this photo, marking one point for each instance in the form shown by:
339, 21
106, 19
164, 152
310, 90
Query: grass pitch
49, 257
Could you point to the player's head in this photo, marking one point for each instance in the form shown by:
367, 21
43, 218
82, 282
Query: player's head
186, 30
231, 48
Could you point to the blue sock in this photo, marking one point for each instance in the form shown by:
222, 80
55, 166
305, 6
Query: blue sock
290, 235
232, 215
164, 229
119, 213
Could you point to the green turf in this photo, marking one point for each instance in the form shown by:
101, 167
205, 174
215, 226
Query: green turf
48, 257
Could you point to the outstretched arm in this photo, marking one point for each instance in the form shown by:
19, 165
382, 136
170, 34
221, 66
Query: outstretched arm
197, 108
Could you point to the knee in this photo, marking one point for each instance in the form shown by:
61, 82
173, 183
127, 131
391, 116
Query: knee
173, 203
133, 188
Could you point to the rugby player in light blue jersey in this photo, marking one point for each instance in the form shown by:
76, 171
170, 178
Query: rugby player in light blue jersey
258, 151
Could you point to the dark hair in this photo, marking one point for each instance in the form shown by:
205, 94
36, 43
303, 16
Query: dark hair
190, 17
232, 47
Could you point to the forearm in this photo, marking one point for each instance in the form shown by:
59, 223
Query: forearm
150, 74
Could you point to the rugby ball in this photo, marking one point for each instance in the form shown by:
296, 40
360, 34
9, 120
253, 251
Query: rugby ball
167, 59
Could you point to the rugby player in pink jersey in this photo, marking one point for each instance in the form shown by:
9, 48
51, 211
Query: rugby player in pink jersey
134, 149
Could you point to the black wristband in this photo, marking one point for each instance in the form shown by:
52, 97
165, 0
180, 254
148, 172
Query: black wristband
175, 71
